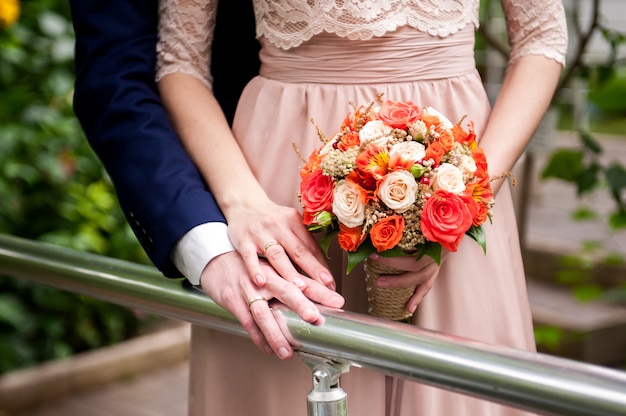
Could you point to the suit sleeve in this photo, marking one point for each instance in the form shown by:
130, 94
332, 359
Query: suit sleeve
116, 100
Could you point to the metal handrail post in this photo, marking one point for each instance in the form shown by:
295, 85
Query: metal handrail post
327, 398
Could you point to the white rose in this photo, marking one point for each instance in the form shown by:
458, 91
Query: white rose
397, 190
373, 130
467, 164
347, 204
412, 151
445, 123
448, 178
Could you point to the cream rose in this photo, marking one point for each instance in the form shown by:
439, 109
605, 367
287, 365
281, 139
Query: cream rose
411, 151
467, 164
397, 190
373, 131
449, 178
348, 203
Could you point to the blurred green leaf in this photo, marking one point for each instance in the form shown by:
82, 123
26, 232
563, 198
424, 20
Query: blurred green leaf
58, 192
565, 164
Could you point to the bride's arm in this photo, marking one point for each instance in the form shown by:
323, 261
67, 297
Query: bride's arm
538, 37
524, 97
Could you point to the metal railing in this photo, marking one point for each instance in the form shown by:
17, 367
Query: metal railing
537, 382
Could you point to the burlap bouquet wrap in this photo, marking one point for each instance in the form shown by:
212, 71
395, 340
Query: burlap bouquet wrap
386, 302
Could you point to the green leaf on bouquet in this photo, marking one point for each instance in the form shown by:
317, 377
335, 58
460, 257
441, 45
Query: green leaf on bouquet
432, 250
478, 234
356, 257
327, 239
394, 252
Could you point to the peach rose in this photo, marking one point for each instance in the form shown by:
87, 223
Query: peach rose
316, 192
397, 190
349, 203
399, 114
445, 219
387, 232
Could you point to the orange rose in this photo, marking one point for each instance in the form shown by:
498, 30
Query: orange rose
350, 238
435, 151
445, 219
387, 232
398, 114
446, 139
481, 215
349, 140
316, 192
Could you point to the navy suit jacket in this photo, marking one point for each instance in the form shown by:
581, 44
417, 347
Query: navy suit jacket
116, 100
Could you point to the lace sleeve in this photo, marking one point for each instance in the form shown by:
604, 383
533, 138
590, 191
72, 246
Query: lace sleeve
185, 37
536, 27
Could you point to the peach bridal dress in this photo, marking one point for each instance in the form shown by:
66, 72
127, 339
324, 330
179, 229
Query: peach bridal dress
476, 296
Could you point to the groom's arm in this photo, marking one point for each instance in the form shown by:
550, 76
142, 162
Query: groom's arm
116, 101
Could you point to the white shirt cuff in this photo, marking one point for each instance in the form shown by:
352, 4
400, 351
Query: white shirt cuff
198, 247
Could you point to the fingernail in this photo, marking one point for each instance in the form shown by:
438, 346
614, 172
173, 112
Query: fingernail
283, 352
375, 256
309, 314
259, 279
298, 282
382, 283
268, 350
338, 300
412, 309
326, 278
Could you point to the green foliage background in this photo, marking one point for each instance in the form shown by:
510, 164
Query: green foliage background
52, 189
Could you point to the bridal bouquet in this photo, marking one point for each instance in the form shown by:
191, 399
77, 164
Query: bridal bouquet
397, 179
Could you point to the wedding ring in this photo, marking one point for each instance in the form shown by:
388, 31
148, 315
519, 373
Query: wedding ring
269, 244
254, 299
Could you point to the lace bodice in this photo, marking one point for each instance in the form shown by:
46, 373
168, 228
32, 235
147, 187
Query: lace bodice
296, 21
186, 26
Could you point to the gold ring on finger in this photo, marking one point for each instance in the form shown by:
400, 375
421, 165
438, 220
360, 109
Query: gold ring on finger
254, 299
269, 244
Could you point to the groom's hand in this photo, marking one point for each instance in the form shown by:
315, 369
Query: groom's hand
226, 281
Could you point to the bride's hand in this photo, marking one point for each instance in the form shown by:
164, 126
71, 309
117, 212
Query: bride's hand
277, 233
421, 273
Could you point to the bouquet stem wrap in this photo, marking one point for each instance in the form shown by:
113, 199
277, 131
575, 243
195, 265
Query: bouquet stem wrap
386, 302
